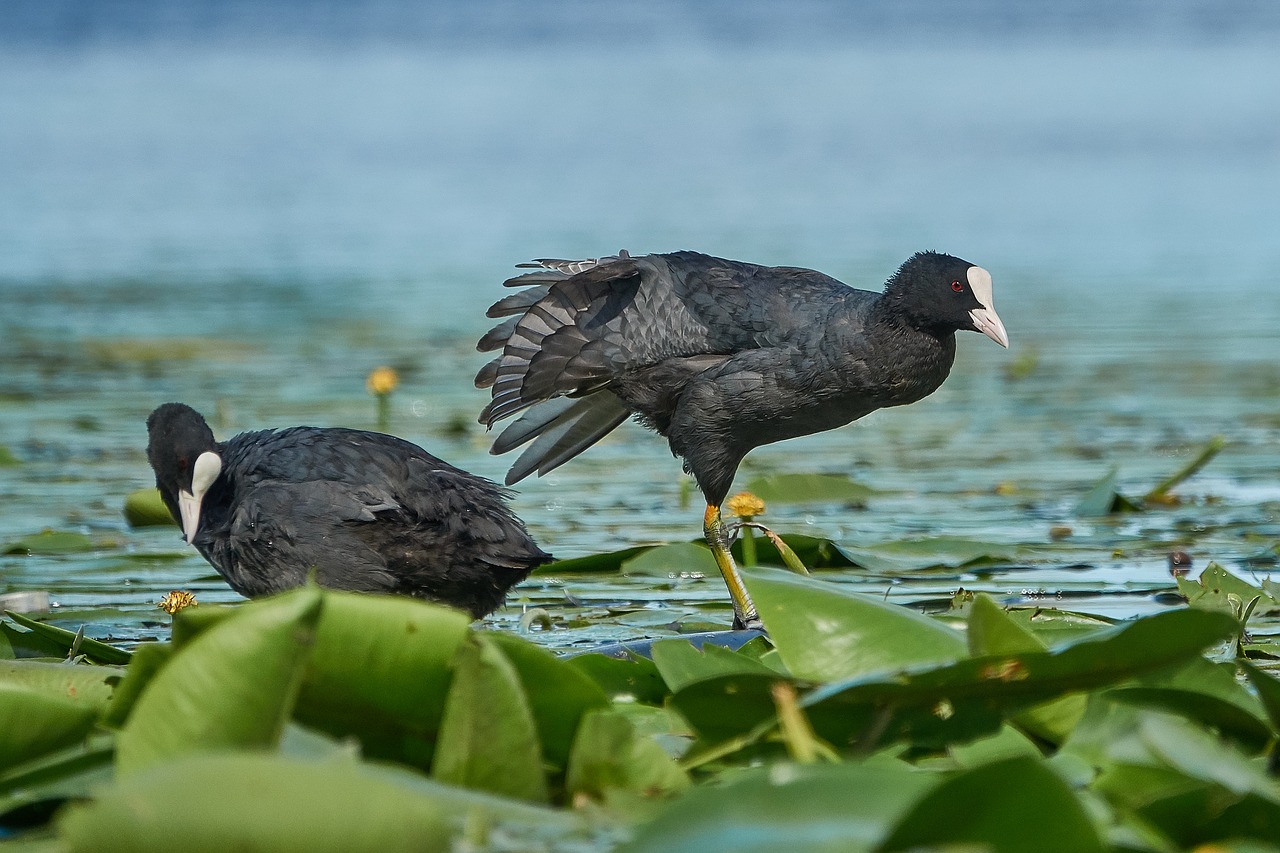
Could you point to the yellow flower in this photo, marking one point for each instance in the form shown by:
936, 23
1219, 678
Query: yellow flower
176, 600
382, 380
745, 505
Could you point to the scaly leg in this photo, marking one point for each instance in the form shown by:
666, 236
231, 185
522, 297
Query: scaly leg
744, 609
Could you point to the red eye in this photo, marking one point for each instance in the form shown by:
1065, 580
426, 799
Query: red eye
957, 286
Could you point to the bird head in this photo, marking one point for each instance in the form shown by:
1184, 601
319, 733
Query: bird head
937, 291
184, 455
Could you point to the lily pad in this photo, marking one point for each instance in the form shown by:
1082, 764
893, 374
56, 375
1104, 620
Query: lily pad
52, 543
67, 641
34, 722
681, 558
909, 555
144, 508
810, 488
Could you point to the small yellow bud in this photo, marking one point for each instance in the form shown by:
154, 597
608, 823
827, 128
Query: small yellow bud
177, 600
745, 505
382, 380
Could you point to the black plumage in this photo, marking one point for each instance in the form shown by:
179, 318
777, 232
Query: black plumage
365, 511
718, 356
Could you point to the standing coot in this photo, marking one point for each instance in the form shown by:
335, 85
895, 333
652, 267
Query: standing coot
366, 511
718, 356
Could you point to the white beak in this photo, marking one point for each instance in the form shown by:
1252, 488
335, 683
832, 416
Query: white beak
985, 319
207, 468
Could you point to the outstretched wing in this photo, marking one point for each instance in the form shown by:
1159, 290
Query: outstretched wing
579, 325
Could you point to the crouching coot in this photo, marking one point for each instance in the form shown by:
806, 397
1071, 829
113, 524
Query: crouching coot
365, 511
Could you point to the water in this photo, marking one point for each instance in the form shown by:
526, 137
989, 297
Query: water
248, 206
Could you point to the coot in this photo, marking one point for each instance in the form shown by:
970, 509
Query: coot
365, 511
718, 356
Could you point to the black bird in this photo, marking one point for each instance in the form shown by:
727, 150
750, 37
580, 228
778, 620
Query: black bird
719, 356
366, 511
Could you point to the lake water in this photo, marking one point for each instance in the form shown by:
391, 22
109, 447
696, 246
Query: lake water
246, 207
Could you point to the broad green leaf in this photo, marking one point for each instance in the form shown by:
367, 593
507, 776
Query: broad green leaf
1208, 693
1103, 499
380, 672
1008, 806
34, 722
217, 803
1268, 687
681, 664
19, 643
909, 555
190, 622
488, 738
1195, 752
966, 699
729, 706
993, 632
54, 542
786, 807
825, 632
558, 694
1008, 742
633, 678
608, 562
92, 649
810, 488
681, 558
148, 659
144, 508
610, 757
233, 686
1215, 587
87, 685
812, 551
72, 773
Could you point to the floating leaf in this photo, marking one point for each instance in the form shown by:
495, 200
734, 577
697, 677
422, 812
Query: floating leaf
608, 562
609, 756
144, 508
812, 551
256, 802
146, 661
90, 686
909, 555
810, 488
233, 686
631, 678
825, 632
65, 640
681, 664
54, 777
1103, 499
488, 739
681, 558
1216, 587
34, 722
380, 671
990, 806
558, 693
52, 543
788, 807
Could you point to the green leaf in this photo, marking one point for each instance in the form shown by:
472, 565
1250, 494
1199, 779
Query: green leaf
787, 807
993, 632
966, 699
256, 802
94, 650
148, 659
488, 739
909, 555
812, 551
34, 722
88, 685
1268, 687
232, 686
558, 693
1215, 587
145, 508
681, 558
825, 632
380, 672
51, 543
17, 643
610, 757
1007, 806
1103, 499
633, 678
1208, 693
608, 562
681, 664
190, 622
810, 488
72, 773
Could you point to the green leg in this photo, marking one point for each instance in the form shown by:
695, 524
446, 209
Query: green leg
744, 609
